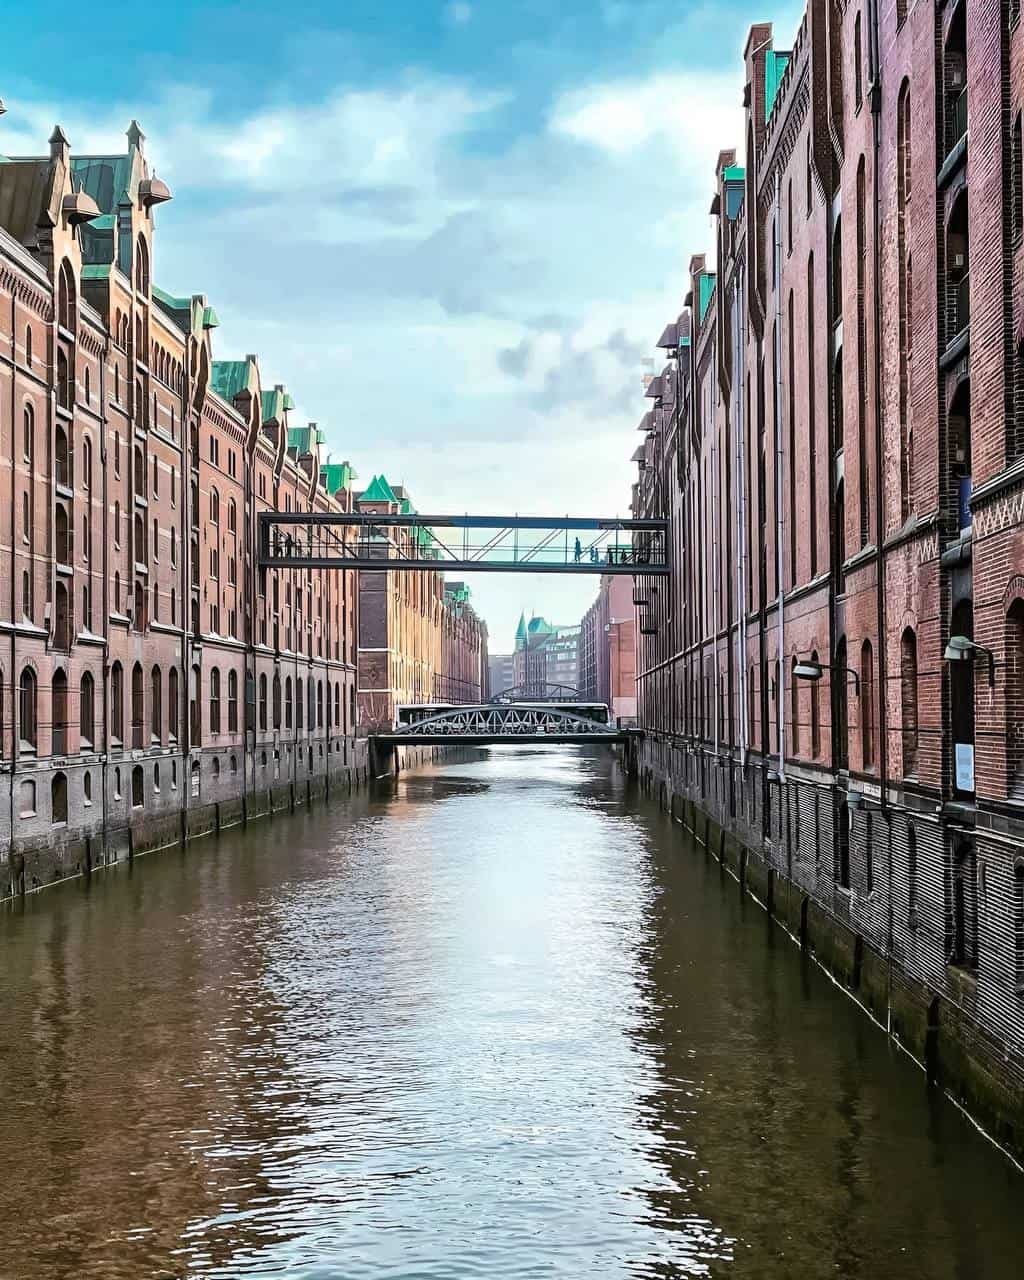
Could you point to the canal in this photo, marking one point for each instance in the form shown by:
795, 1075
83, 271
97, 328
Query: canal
500, 1021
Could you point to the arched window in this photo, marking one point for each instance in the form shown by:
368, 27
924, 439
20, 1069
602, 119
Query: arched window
138, 711
1014, 707
288, 703
59, 713
232, 701
794, 697
28, 345
319, 704
156, 776
61, 535
88, 386
963, 943
195, 720
29, 434
27, 717
61, 617
232, 516
59, 798
867, 705
172, 703
66, 297
215, 700
138, 787
815, 713
263, 702
142, 265
299, 705
277, 701
65, 387
86, 712
156, 710
337, 705
908, 700
117, 702
214, 506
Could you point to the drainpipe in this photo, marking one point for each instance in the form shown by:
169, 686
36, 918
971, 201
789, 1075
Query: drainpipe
104, 600
741, 559
15, 679
779, 461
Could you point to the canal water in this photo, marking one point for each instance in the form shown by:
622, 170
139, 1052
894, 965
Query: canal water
500, 1021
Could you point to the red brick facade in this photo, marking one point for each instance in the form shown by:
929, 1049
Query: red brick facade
838, 437
154, 682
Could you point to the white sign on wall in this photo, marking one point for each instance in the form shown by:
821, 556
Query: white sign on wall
964, 766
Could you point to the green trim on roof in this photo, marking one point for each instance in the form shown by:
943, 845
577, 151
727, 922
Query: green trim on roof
336, 475
289, 403
168, 300
96, 271
521, 629
274, 405
734, 173
105, 178
210, 318
105, 222
304, 439
379, 491
707, 288
230, 377
774, 66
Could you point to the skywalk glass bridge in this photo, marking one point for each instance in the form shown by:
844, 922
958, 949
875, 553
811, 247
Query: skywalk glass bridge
465, 544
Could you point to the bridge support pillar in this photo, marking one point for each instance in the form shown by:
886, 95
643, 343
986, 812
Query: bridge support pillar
383, 758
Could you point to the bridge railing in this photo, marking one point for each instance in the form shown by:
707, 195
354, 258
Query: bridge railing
469, 544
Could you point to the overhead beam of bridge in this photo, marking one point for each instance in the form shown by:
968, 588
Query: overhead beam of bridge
463, 544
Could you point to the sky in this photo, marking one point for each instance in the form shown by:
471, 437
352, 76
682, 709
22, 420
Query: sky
454, 230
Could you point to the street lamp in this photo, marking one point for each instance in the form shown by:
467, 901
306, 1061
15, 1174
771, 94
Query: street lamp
962, 649
810, 669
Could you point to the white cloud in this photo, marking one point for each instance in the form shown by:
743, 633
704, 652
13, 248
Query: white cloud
690, 117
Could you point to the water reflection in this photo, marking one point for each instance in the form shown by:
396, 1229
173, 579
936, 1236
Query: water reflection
523, 1032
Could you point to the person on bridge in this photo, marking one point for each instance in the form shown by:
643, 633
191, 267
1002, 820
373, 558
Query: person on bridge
578, 553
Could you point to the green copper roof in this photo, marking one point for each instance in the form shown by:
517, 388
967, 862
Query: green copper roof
336, 475
379, 491
521, 629
210, 319
774, 66
168, 300
274, 404
733, 173
96, 271
540, 627
304, 439
707, 288
230, 377
105, 178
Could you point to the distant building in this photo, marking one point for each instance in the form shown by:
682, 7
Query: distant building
608, 649
545, 655
464, 675
502, 669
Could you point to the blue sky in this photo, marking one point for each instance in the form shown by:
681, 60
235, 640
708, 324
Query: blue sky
454, 230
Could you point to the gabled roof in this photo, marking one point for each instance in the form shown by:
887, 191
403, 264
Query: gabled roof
305, 439
230, 377
274, 404
707, 288
379, 491
336, 475
774, 66
106, 178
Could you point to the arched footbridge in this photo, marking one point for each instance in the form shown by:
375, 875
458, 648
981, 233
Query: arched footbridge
493, 722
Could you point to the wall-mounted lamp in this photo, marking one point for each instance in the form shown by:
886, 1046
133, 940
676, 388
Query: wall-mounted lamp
961, 649
807, 669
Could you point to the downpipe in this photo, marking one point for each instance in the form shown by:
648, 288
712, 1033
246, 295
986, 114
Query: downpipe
779, 461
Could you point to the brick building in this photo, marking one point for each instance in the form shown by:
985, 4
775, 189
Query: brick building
838, 438
545, 655
607, 646
153, 683
420, 639
464, 674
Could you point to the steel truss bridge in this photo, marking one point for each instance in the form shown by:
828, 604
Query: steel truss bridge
491, 722
464, 544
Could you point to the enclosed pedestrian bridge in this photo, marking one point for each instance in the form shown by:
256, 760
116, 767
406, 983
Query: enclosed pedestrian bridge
500, 720
464, 544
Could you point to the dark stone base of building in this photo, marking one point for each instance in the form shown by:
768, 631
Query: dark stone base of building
170, 809
934, 1026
